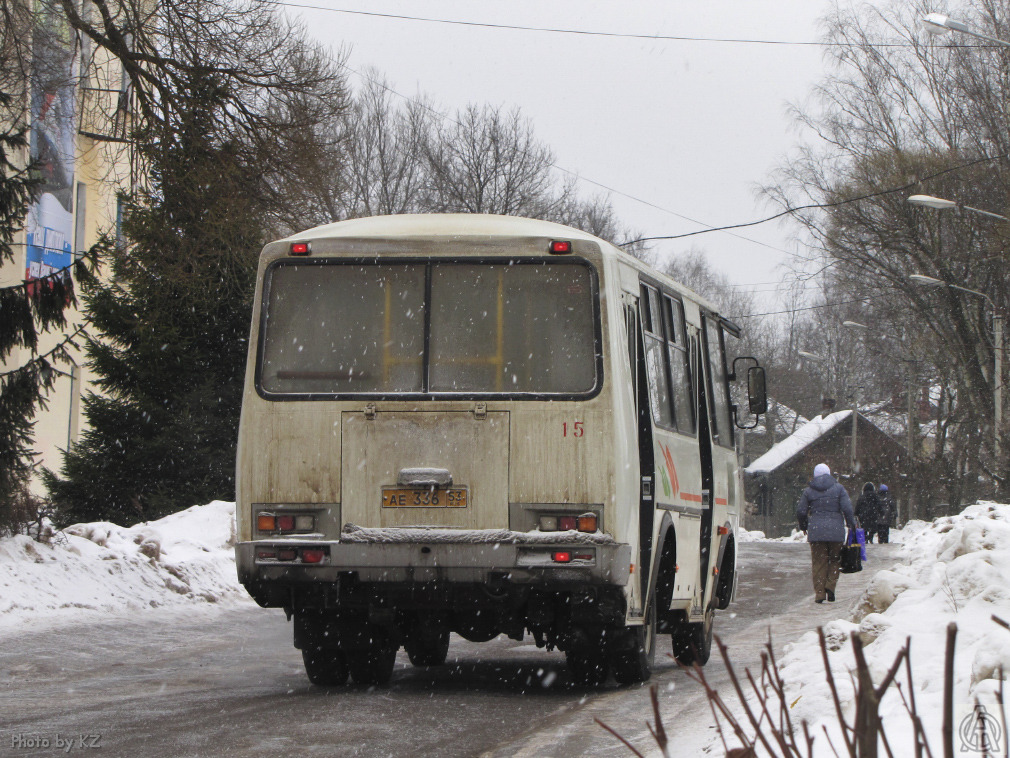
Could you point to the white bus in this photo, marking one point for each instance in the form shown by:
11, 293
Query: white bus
485, 425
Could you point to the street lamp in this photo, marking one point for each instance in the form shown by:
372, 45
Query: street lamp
939, 24
940, 204
997, 349
855, 406
909, 437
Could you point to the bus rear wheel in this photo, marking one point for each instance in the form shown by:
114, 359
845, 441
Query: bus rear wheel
633, 653
372, 664
588, 669
326, 667
427, 648
692, 643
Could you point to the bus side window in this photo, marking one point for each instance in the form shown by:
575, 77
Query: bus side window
631, 329
719, 413
655, 359
680, 365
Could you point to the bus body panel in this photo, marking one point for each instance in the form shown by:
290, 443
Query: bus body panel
474, 451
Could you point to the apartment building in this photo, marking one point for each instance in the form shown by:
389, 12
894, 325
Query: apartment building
79, 108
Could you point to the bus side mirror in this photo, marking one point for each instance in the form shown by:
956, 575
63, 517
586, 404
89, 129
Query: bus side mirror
757, 396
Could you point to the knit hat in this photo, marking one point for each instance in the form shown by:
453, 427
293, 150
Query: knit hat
820, 469
883, 488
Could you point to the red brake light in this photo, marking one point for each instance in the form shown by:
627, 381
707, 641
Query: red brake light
286, 523
287, 554
562, 557
559, 247
567, 523
300, 248
313, 555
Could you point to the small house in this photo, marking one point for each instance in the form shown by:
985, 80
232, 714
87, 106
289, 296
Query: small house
775, 480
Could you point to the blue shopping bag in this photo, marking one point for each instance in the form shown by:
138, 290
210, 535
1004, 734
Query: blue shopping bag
857, 536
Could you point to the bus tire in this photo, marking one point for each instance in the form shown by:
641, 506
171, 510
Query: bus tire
326, 667
587, 669
374, 664
425, 650
692, 643
635, 653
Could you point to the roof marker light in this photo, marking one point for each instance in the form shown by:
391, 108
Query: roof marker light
300, 248
560, 247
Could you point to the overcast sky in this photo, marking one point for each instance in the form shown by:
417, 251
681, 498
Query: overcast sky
677, 129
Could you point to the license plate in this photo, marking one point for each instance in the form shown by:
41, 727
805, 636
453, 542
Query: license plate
424, 497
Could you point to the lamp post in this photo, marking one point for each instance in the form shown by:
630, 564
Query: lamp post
941, 204
997, 349
75, 397
855, 407
909, 437
803, 354
939, 24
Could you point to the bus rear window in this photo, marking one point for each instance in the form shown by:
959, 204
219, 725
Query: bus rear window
336, 328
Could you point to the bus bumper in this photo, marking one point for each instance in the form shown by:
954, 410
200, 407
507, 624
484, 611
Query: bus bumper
267, 564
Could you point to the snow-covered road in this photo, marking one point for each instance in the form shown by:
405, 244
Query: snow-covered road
202, 680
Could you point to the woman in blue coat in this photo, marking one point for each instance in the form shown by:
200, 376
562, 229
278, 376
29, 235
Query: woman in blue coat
823, 511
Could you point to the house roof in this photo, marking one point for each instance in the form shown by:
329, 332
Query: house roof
797, 442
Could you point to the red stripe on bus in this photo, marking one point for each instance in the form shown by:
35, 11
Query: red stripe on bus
690, 498
721, 501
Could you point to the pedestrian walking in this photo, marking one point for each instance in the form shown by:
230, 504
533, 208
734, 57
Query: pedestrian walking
823, 511
868, 511
886, 514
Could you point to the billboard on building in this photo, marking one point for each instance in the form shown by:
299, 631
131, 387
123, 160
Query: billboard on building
49, 224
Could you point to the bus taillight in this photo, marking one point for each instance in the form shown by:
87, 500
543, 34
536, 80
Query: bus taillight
300, 248
560, 247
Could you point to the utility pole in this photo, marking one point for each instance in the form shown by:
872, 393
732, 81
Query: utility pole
997, 381
855, 421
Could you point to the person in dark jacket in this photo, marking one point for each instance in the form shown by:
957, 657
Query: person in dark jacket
823, 511
868, 511
886, 514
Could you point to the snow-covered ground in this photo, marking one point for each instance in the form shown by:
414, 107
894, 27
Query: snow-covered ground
956, 569
896, 536
92, 570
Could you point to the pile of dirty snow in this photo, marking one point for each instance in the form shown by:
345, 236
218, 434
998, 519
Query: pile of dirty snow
97, 568
956, 569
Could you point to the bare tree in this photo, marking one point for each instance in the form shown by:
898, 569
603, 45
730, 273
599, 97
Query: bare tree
902, 114
385, 158
487, 160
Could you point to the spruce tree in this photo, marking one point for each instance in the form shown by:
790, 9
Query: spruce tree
173, 318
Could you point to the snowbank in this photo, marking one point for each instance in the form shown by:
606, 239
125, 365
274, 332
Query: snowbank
96, 568
956, 569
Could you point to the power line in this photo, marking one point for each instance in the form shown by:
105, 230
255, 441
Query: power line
652, 37
583, 32
812, 206
569, 172
809, 307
